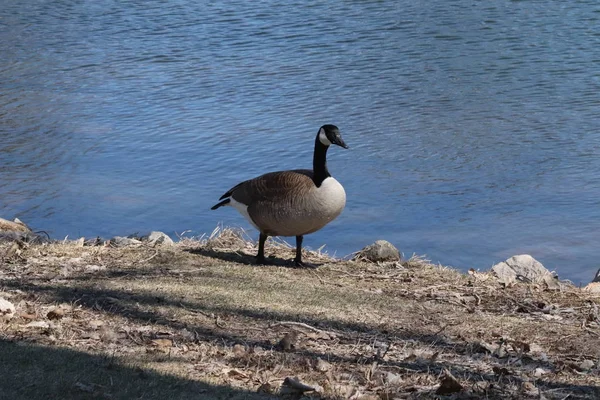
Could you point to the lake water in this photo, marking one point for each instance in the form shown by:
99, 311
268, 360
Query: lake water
474, 126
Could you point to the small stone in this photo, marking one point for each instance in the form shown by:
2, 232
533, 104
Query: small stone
594, 285
158, 238
369, 396
94, 268
16, 226
95, 324
107, 335
539, 372
523, 268
120, 241
7, 310
239, 350
381, 250
55, 314
322, 365
393, 379
586, 365
90, 335
552, 282
530, 390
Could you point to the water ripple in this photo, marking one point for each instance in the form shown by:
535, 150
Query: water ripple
473, 127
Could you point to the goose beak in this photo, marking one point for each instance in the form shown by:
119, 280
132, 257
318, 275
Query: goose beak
340, 142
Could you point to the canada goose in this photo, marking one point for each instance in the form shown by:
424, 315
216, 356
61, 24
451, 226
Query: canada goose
291, 203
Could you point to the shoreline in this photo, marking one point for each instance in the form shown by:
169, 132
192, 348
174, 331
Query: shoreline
18, 231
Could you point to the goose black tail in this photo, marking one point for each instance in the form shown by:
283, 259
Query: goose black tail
220, 204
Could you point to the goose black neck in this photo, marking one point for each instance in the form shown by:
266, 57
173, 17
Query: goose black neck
320, 171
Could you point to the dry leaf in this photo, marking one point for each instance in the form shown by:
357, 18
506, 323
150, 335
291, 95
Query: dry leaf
449, 384
266, 388
530, 389
162, 343
28, 316
288, 342
39, 324
235, 373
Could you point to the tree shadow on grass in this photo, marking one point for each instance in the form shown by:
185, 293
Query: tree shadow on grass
127, 307
171, 387
31, 371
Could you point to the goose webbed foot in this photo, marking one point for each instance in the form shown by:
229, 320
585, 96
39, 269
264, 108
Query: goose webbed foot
261, 260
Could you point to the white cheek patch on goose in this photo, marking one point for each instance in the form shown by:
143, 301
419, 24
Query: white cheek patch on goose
323, 138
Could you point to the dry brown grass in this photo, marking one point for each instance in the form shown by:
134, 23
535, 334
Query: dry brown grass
200, 320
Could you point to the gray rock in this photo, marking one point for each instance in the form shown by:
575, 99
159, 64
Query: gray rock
7, 310
120, 241
158, 238
18, 231
586, 365
381, 250
594, 285
524, 268
13, 226
322, 365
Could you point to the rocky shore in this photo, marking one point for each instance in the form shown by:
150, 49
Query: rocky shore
147, 317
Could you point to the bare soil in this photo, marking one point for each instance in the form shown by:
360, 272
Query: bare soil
200, 320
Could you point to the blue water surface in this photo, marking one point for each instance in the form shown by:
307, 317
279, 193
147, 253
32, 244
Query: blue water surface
474, 125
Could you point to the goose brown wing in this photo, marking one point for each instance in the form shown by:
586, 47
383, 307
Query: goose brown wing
271, 186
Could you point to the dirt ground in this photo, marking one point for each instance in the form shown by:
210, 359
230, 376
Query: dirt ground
198, 320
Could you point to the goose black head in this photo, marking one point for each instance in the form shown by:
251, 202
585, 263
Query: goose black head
330, 134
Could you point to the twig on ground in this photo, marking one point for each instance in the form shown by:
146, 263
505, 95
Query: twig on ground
347, 273
133, 339
303, 325
430, 288
217, 323
149, 258
207, 315
588, 330
318, 277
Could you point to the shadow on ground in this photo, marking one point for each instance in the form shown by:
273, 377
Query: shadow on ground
87, 374
232, 256
32, 371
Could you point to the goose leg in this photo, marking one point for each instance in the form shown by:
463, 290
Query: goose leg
298, 259
260, 257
